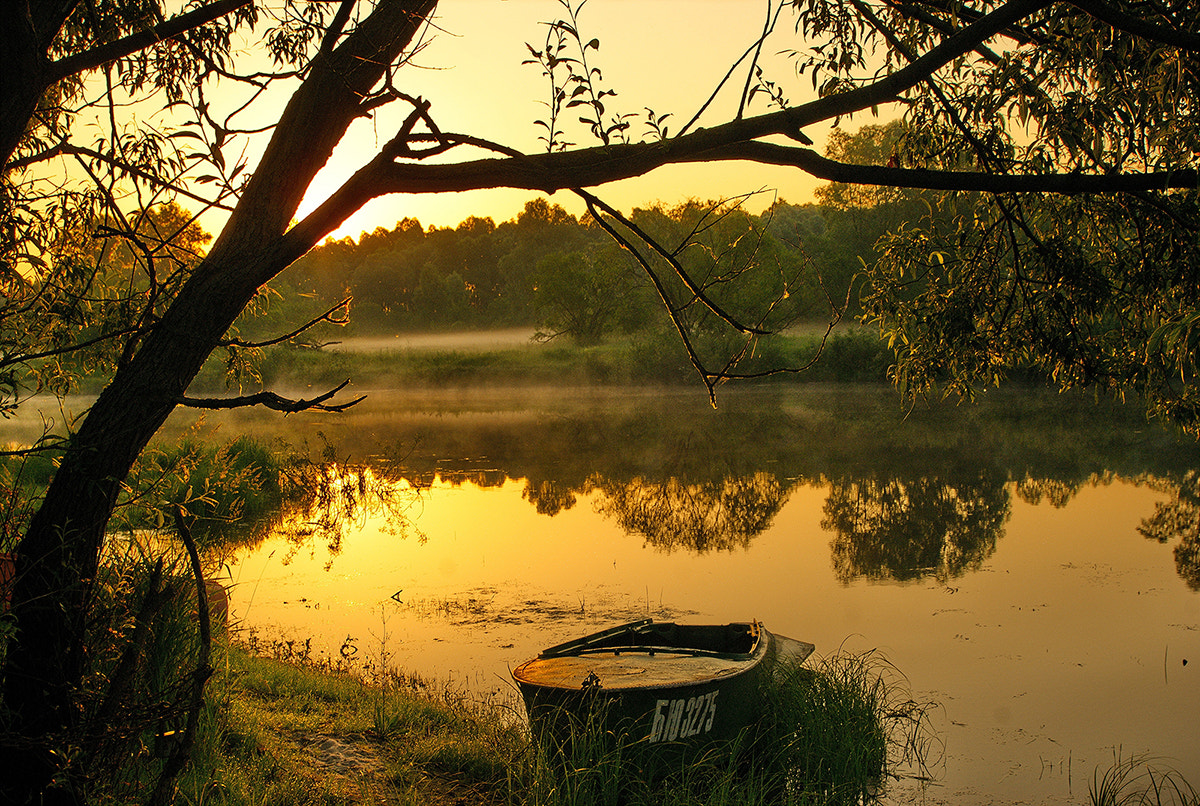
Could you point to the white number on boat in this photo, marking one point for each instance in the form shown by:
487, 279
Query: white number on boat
679, 719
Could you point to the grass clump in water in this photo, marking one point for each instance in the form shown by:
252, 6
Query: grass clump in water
1140, 781
837, 732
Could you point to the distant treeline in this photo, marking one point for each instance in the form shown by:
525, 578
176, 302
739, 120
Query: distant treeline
566, 276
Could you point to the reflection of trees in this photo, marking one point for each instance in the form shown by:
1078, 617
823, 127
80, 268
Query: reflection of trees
334, 500
905, 529
1056, 492
550, 497
706, 516
1179, 519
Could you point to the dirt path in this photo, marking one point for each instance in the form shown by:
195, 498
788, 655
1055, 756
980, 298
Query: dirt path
354, 767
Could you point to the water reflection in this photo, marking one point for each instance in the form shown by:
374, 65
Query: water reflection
325, 502
1179, 519
548, 496
710, 516
553, 517
903, 529
924, 493
1055, 492
883, 527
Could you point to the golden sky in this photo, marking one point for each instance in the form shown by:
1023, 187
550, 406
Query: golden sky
668, 55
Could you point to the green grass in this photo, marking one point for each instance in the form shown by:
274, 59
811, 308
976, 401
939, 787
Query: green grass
835, 733
839, 730
234, 490
428, 749
852, 354
832, 733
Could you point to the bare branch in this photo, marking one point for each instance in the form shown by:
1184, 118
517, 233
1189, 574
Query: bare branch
271, 401
337, 25
668, 256
181, 753
660, 287
325, 317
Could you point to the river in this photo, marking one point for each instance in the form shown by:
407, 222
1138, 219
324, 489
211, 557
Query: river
1030, 564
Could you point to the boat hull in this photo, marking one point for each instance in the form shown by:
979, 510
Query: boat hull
662, 688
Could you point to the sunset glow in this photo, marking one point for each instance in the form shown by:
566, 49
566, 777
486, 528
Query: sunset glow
668, 56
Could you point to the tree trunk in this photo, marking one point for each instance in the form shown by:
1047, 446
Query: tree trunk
27, 27
57, 560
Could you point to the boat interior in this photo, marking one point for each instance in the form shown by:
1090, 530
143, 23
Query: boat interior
647, 635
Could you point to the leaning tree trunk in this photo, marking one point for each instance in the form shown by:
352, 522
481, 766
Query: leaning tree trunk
26, 29
57, 560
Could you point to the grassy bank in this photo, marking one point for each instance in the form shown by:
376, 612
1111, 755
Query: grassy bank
286, 733
281, 733
850, 355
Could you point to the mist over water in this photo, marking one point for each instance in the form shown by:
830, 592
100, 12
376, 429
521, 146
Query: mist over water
1031, 563
461, 341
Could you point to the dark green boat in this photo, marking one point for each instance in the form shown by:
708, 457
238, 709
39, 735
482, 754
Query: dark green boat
658, 683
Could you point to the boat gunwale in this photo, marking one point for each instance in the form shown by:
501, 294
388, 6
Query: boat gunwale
652, 649
747, 662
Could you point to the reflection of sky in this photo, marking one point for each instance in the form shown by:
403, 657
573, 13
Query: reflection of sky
1067, 643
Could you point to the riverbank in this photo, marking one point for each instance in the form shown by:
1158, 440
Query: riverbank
293, 733
850, 354
296, 732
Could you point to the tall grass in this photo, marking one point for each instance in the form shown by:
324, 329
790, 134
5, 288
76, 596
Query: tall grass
832, 734
143, 651
837, 732
232, 492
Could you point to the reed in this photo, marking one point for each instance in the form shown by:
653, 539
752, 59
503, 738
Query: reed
837, 732
1140, 781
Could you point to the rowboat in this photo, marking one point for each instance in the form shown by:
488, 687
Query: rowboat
658, 683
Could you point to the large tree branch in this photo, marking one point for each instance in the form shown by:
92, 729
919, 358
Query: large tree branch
1137, 26
168, 29
550, 172
1066, 183
326, 104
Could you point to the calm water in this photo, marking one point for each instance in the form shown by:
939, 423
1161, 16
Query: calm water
1030, 564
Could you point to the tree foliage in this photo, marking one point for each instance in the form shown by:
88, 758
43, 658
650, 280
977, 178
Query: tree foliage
567, 277
1068, 129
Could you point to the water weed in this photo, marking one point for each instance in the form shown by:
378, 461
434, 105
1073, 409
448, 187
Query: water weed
838, 730
1140, 781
